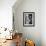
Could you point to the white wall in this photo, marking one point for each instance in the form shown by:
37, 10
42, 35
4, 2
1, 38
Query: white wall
33, 33
6, 13
43, 22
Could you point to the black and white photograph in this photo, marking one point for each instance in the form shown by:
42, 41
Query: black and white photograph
28, 19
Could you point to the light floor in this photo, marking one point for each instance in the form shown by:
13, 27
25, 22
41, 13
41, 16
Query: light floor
9, 43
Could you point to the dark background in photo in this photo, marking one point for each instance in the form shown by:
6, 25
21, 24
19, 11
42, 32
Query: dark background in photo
30, 18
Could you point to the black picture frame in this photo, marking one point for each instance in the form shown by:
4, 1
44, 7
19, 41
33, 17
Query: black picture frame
28, 19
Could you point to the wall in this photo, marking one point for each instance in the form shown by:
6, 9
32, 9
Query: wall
33, 33
43, 22
6, 13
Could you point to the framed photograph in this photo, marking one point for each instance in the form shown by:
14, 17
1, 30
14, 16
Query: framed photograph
28, 19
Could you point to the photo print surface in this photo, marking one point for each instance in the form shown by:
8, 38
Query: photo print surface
28, 19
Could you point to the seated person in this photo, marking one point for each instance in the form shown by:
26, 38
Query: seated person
29, 43
18, 40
